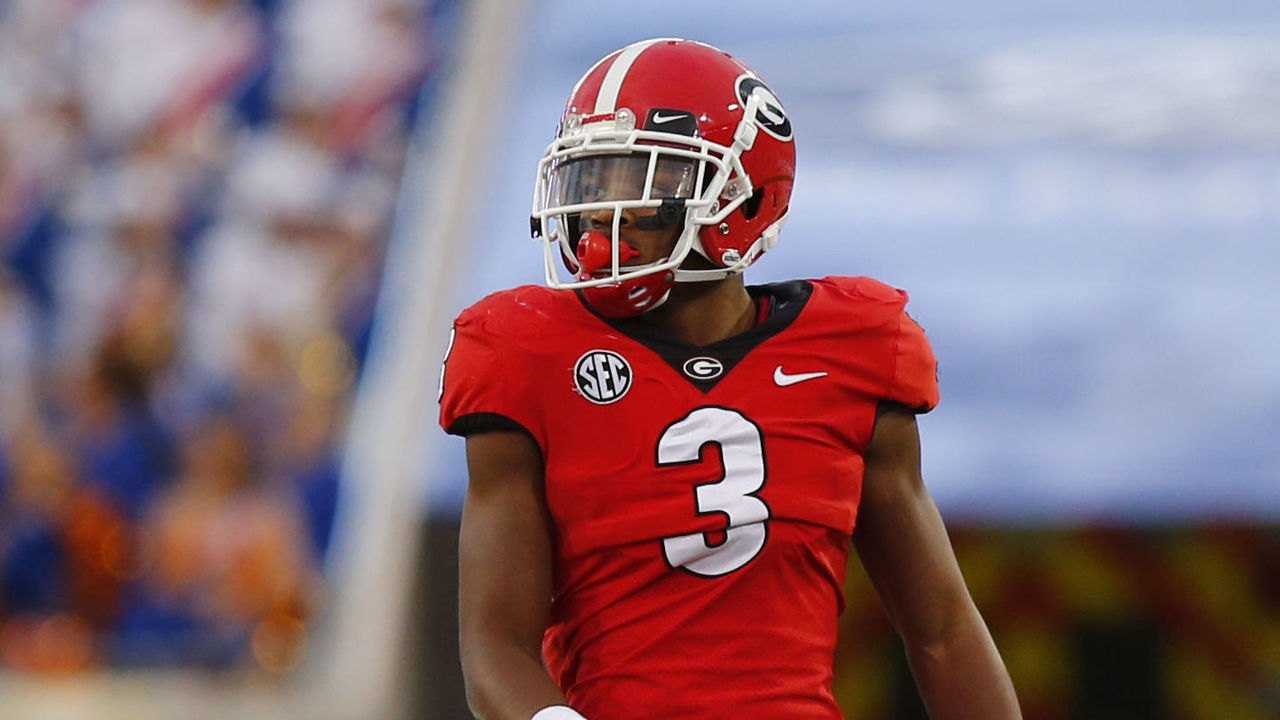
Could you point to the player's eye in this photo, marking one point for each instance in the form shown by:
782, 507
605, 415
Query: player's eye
605, 178
673, 178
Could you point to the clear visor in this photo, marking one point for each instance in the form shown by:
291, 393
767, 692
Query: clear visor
621, 178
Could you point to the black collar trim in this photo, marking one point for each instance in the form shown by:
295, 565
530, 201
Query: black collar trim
789, 299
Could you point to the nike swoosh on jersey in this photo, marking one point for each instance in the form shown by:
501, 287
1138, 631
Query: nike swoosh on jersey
784, 379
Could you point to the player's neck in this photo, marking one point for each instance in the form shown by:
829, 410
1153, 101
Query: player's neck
705, 312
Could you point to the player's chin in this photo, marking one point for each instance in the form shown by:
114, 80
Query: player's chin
694, 261
632, 264
601, 274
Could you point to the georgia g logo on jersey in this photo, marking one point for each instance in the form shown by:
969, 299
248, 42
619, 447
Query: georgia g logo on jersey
602, 376
703, 367
771, 117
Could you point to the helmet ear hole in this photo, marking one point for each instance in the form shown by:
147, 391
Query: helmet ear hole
707, 177
751, 205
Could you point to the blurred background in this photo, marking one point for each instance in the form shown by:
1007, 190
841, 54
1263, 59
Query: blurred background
233, 235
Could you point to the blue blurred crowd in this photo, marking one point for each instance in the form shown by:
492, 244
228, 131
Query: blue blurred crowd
194, 201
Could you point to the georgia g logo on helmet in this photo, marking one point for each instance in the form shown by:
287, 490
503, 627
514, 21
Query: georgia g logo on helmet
771, 117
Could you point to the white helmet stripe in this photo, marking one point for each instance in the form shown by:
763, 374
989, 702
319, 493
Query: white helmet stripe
607, 98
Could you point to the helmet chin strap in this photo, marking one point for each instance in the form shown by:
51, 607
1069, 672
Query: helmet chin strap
686, 276
683, 275
767, 241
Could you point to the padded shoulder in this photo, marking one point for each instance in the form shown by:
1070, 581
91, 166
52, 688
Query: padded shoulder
866, 289
859, 304
877, 312
519, 313
521, 318
487, 380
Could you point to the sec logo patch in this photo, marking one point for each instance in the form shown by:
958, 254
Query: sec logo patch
602, 376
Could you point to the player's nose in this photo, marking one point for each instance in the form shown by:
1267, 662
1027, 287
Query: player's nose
602, 220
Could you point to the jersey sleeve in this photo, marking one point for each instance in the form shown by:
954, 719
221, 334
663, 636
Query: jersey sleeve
915, 371
482, 388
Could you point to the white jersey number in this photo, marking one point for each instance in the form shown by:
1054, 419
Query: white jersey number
742, 455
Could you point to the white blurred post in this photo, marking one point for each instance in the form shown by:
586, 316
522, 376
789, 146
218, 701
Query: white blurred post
360, 652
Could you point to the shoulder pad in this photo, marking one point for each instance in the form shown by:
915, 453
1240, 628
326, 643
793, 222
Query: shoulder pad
518, 311
867, 288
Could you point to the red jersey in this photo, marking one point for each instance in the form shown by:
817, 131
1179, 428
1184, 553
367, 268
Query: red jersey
703, 497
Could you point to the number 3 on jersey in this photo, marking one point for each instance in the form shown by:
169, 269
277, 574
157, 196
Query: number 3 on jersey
742, 455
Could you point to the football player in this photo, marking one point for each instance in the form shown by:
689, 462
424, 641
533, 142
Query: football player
667, 466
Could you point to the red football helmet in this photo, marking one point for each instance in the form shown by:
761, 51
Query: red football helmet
682, 132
